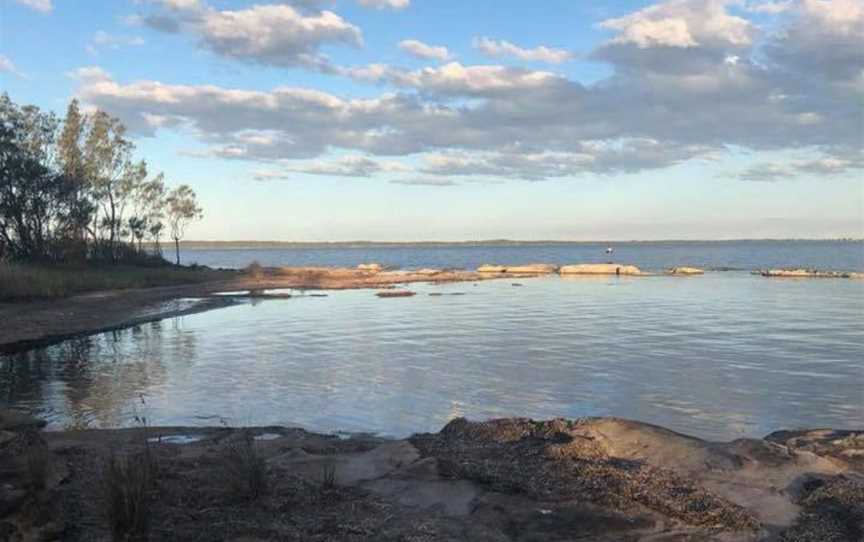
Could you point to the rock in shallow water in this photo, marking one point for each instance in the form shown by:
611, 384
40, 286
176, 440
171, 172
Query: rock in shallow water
600, 269
686, 271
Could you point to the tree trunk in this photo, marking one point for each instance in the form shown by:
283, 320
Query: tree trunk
177, 248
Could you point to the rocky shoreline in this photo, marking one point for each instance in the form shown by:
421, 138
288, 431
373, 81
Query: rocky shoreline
501, 480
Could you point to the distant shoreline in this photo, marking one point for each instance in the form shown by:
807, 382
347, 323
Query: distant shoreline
241, 245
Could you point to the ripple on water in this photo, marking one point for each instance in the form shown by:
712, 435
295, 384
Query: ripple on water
722, 356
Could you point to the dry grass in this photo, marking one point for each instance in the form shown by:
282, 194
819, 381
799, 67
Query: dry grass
246, 467
328, 474
28, 282
126, 484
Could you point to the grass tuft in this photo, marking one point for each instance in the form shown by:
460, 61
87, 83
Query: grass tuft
328, 474
246, 467
126, 483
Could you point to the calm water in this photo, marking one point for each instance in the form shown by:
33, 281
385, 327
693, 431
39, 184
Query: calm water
741, 255
720, 356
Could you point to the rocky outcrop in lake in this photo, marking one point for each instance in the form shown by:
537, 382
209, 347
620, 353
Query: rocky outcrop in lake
600, 269
686, 271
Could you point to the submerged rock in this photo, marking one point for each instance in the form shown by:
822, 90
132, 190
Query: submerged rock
808, 273
600, 269
525, 269
396, 293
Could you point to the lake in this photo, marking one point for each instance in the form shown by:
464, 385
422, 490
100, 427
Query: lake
655, 256
720, 356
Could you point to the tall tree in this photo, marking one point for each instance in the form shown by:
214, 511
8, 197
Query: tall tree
70, 156
182, 208
108, 165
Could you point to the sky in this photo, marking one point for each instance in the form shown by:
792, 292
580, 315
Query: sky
408, 120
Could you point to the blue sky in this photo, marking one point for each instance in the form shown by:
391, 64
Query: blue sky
451, 120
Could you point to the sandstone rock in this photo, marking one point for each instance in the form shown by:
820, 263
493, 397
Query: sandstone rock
371, 267
686, 271
426, 271
600, 269
491, 269
532, 269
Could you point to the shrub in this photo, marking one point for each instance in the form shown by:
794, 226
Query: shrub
254, 270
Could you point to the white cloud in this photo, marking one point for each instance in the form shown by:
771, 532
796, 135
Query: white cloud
421, 50
45, 6
772, 8
348, 166
662, 105
495, 49
825, 166
6, 65
104, 40
456, 79
382, 4
682, 23
272, 34
425, 181
767, 172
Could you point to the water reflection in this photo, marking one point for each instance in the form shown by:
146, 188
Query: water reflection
722, 356
96, 381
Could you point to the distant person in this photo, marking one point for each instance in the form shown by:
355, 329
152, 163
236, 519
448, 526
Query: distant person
609, 250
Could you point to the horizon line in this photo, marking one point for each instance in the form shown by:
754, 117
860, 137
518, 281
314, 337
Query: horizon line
505, 241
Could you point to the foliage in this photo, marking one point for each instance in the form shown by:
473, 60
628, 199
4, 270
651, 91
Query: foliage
72, 191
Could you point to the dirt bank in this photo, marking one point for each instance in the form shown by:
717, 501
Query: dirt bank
503, 480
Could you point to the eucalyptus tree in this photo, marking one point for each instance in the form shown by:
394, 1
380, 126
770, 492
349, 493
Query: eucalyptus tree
108, 167
148, 210
70, 155
181, 210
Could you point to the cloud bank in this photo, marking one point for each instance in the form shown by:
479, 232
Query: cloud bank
691, 79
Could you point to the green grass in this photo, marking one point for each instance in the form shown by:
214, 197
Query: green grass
30, 282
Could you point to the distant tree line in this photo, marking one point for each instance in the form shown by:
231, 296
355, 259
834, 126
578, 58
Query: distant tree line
71, 191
